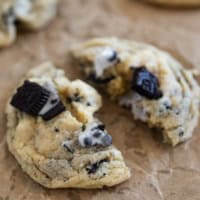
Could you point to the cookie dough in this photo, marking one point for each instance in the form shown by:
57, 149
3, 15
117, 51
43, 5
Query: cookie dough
183, 3
61, 148
29, 14
157, 89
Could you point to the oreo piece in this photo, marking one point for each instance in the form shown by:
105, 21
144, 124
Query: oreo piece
75, 98
92, 168
30, 98
54, 111
113, 57
146, 84
107, 140
88, 141
101, 127
97, 134
94, 135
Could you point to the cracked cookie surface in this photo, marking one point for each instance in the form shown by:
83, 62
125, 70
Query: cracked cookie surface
69, 149
157, 89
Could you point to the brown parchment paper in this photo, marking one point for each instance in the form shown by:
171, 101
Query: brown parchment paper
159, 172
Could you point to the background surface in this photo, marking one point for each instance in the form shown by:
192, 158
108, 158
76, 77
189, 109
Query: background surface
159, 172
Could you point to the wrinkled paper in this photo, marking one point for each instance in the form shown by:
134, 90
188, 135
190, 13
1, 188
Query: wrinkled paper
159, 172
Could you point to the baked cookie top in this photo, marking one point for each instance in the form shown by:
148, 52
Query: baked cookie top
29, 14
155, 86
53, 134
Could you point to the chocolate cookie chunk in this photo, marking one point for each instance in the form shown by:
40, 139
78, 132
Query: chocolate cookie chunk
94, 134
30, 98
54, 111
146, 83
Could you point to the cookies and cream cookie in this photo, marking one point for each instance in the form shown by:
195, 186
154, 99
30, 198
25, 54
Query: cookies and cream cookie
157, 89
34, 14
53, 134
30, 14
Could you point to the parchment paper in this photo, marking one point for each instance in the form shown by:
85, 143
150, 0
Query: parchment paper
158, 170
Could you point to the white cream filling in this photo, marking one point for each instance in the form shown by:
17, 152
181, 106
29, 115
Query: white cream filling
116, 153
132, 100
102, 61
53, 96
140, 108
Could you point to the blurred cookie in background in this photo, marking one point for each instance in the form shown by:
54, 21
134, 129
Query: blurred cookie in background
31, 15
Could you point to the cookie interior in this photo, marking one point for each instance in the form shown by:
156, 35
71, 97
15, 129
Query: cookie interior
166, 96
56, 153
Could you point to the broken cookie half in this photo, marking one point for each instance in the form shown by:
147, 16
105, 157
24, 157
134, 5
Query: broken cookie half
157, 89
29, 14
52, 133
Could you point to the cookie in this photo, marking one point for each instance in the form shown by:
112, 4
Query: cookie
53, 134
34, 14
152, 84
29, 14
7, 20
37, 100
182, 3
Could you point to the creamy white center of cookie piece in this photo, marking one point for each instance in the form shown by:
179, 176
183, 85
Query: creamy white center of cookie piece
93, 135
140, 109
22, 7
104, 59
91, 100
53, 98
133, 101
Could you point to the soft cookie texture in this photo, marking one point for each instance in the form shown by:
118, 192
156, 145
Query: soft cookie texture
182, 3
157, 89
30, 14
52, 133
